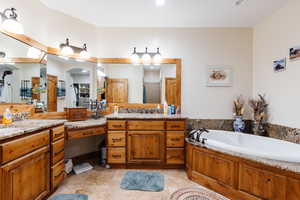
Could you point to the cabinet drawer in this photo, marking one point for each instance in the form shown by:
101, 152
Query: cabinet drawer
57, 133
75, 134
175, 156
19, 147
261, 183
146, 125
175, 139
116, 125
176, 125
116, 155
57, 174
57, 153
116, 139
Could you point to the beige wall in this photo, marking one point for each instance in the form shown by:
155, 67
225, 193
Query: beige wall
198, 48
272, 40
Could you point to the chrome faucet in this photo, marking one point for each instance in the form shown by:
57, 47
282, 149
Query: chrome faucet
198, 133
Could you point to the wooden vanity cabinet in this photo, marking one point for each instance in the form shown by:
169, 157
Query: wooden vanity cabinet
146, 143
146, 147
57, 156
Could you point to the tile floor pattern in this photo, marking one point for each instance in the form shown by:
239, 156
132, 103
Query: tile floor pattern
104, 184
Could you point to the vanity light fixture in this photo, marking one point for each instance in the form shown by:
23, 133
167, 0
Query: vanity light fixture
84, 54
9, 21
135, 58
146, 58
157, 58
66, 49
34, 53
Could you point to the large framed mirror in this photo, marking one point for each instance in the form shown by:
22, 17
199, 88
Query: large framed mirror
22, 74
43, 77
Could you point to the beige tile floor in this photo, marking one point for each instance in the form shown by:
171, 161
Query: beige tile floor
104, 184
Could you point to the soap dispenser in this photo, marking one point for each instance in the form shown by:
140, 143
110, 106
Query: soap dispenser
7, 117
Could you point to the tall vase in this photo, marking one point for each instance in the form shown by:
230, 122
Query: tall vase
239, 124
258, 128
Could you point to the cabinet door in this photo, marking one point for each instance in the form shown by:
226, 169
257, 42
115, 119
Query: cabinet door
146, 147
261, 183
26, 178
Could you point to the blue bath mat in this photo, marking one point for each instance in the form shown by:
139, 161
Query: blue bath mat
144, 181
70, 197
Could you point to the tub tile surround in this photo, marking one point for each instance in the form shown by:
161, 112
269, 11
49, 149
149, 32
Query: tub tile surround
284, 133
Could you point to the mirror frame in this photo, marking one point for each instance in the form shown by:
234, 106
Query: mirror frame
54, 51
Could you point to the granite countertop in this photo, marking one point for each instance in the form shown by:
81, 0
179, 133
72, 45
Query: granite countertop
22, 127
294, 167
86, 123
143, 116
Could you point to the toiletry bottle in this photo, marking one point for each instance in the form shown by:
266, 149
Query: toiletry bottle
7, 117
165, 108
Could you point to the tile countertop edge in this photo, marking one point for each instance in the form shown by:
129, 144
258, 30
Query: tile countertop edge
10, 133
86, 124
294, 167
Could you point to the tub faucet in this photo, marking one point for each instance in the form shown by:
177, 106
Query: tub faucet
198, 133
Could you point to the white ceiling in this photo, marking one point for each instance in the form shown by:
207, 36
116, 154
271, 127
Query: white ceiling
175, 13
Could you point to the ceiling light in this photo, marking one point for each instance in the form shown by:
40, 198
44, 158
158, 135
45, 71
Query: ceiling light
34, 53
10, 22
84, 54
160, 2
157, 58
135, 58
146, 58
84, 71
66, 49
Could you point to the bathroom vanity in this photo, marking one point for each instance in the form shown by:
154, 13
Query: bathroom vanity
146, 141
33, 149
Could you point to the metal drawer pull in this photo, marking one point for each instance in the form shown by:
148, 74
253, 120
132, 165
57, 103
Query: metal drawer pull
58, 134
117, 126
117, 139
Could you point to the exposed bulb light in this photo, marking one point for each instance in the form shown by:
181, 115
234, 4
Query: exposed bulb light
66, 49
135, 58
10, 22
160, 2
100, 73
84, 54
99, 64
157, 58
146, 58
34, 53
84, 71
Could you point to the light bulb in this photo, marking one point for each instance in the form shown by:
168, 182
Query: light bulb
13, 26
160, 2
146, 59
135, 59
34, 53
67, 51
157, 59
84, 54
100, 73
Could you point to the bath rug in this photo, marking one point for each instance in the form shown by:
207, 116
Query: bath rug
143, 181
196, 194
70, 197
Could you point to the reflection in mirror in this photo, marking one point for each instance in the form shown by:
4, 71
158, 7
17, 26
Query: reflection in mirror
71, 83
128, 83
22, 78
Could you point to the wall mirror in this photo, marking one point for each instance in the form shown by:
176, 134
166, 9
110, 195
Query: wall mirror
22, 73
140, 84
71, 83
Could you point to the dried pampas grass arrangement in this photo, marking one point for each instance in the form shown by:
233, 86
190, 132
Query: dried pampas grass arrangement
259, 107
238, 108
